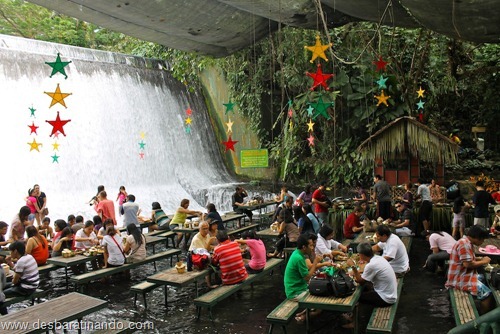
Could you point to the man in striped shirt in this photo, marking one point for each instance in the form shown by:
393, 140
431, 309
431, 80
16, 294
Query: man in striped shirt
228, 256
26, 279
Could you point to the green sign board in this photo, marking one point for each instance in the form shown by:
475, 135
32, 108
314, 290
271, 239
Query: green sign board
254, 158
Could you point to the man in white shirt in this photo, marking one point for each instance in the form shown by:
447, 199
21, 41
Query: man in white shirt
393, 250
130, 210
441, 245
380, 284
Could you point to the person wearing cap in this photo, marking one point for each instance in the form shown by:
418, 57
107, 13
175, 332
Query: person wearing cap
441, 245
462, 272
321, 203
481, 200
382, 194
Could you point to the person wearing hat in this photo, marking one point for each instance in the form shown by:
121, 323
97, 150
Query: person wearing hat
495, 227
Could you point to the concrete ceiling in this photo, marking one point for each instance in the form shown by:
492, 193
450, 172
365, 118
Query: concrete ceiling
221, 27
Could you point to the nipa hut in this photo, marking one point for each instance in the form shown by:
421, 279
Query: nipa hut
400, 149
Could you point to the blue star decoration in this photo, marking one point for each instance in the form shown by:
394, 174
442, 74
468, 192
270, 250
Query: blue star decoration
142, 145
58, 66
381, 82
229, 106
310, 111
32, 110
321, 108
55, 158
188, 129
420, 104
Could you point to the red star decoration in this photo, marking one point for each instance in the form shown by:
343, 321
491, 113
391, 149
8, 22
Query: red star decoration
57, 125
290, 113
380, 63
421, 117
319, 78
33, 128
229, 144
141, 155
189, 111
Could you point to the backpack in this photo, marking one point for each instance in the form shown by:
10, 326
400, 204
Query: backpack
495, 278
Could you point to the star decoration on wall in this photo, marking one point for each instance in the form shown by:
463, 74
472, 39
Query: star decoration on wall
58, 66
32, 110
58, 97
382, 98
142, 135
34, 145
33, 128
55, 158
142, 145
55, 146
229, 106
318, 50
381, 82
57, 125
229, 144
188, 120
290, 125
187, 129
141, 155
380, 63
229, 126
310, 139
420, 92
420, 104
189, 111
310, 125
310, 110
319, 78
321, 108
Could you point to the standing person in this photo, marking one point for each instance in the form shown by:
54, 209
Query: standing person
105, 208
441, 245
462, 272
121, 198
33, 205
213, 215
481, 199
41, 200
135, 245
321, 203
96, 199
18, 225
37, 245
179, 219
238, 200
425, 212
305, 197
393, 250
459, 207
257, 252
228, 256
159, 218
130, 210
382, 194
202, 240
26, 278
380, 287
352, 225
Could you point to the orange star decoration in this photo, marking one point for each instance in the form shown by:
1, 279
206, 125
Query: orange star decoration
229, 144
310, 125
318, 49
34, 145
319, 78
420, 92
57, 125
382, 98
58, 97
310, 139
229, 126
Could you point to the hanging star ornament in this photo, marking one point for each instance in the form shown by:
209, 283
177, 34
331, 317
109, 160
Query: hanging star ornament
187, 129
33, 128
141, 155
229, 144
310, 126
229, 106
58, 97
381, 82
319, 78
420, 104
310, 110
55, 158
56, 135
142, 135
188, 120
57, 125
34, 145
380, 63
290, 113
310, 139
321, 108
32, 110
58, 66
189, 111
229, 126
55, 146
421, 117
382, 98
420, 92
142, 145
290, 125
318, 50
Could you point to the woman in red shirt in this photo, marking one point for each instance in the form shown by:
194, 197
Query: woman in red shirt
37, 245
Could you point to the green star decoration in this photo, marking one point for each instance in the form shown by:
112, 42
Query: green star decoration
229, 106
55, 158
32, 110
142, 145
310, 111
58, 66
188, 129
381, 82
321, 108
420, 104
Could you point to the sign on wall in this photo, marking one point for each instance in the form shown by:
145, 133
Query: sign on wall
254, 158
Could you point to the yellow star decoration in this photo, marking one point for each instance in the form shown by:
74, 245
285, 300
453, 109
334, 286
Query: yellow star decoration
143, 135
382, 99
34, 145
58, 97
310, 125
420, 92
318, 50
290, 125
55, 146
188, 120
229, 126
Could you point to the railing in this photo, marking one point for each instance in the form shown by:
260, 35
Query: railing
482, 325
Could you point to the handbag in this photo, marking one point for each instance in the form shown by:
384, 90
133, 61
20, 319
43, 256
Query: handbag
342, 284
320, 286
121, 250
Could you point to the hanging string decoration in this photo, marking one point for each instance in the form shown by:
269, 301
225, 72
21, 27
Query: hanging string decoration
321, 108
382, 99
188, 120
420, 104
380, 66
33, 128
142, 145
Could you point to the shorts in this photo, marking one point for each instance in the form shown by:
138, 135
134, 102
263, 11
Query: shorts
31, 217
483, 291
425, 211
459, 220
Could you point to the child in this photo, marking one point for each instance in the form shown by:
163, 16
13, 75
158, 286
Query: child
459, 207
121, 198
45, 229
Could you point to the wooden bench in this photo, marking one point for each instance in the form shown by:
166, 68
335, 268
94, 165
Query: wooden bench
119, 326
282, 314
463, 306
382, 318
19, 299
47, 268
143, 287
86, 278
287, 252
242, 229
210, 299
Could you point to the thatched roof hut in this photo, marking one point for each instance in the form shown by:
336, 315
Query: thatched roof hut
406, 135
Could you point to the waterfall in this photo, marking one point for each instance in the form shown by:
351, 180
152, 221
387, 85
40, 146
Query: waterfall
114, 99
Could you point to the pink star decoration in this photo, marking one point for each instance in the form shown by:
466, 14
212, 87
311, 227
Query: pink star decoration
310, 139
